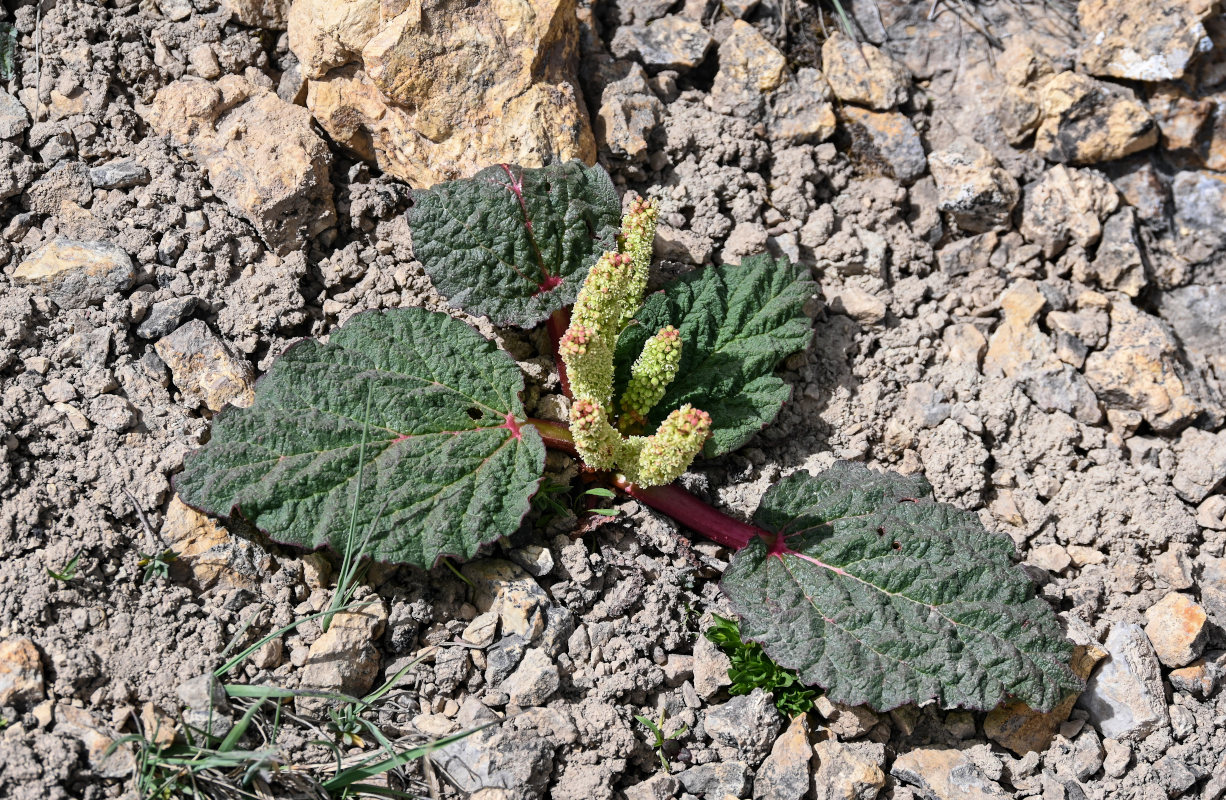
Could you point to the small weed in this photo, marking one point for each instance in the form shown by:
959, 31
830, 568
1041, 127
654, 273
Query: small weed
157, 565
657, 730
752, 669
554, 502
68, 571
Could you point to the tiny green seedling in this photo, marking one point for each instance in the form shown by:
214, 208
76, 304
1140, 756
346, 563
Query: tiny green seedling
751, 669
156, 565
857, 580
657, 730
69, 570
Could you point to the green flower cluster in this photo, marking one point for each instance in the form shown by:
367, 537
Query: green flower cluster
608, 300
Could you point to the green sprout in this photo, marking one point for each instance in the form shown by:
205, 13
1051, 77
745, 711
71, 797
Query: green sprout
657, 730
69, 570
753, 669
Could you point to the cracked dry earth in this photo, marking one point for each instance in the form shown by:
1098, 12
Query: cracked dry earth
1017, 216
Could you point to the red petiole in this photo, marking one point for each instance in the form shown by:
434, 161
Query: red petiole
672, 500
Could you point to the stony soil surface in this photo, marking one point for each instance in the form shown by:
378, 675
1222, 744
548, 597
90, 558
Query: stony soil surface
1017, 215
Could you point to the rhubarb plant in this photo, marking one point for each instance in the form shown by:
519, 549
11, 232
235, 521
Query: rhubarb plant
409, 424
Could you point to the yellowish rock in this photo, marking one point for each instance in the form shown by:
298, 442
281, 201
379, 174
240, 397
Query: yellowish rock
1143, 40
1017, 344
261, 153
260, 13
80, 724
1086, 121
437, 89
157, 728
1020, 728
1175, 626
786, 772
205, 369
1140, 370
21, 672
860, 73
76, 274
847, 771
510, 592
207, 554
344, 658
749, 67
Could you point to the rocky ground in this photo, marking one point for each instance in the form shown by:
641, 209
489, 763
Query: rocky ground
1017, 214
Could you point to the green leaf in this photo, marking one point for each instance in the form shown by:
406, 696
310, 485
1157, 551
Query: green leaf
8, 51
447, 466
737, 323
514, 244
883, 596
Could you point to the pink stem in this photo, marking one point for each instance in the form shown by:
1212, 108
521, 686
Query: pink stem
558, 322
694, 514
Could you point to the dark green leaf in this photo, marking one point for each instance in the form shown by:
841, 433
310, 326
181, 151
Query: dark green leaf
883, 596
515, 244
737, 323
8, 51
446, 465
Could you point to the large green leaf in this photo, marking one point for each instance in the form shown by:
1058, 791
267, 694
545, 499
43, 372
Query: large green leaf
737, 323
883, 596
514, 244
447, 466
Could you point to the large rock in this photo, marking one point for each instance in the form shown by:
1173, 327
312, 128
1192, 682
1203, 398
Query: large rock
848, 770
345, 659
943, 774
207, 555
517, 762
629, 115
1200, 214
1086, 121
1198, 315
785, 774
444, 87
1125, 698
1143, 40
1140, 370
1119, 263
77, 274
1175, 626
671, 42
1202, 464
509, 591
801, 111
21, 673
1067, 205
205, 369
748, 722
1023, 730
890, 139
260, 13
972, 187
750, 67
261, 153
860, 73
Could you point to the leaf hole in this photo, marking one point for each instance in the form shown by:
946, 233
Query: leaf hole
474, 413
897, 545
881, 530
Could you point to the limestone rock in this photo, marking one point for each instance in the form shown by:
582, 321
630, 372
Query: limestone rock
503, 587
1175, 626
205, 369
710, 668
118, 175
716, 779
272, 14
747, 722
629, 115
344, 658
207, 555
438, 89
1200, 213
518, 762
534, 681
860, 73
844, 721
1022, 68
1182, 118
97, 739
943, 774
785, 774
671, 42
888, 138
206, 706
1140, 370
1067, 205
13, 117
966, 343
1119, 263
77, 274
261, 154
864, 307
1202, 464
1086, 121
973, 189
801, 111
660, 786
1023, 730
1198, 315
848, 770
1143, 40
1125, 698
749, 68
21, 673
